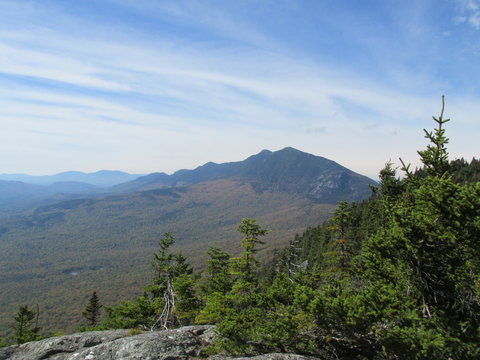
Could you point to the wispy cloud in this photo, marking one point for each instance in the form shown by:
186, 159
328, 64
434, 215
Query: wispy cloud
38, 64
469, 13
183, 80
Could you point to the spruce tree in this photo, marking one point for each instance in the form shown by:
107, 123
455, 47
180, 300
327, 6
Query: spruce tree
246, 265
435, 156
92, 311
217, 276
25, 325
239, 310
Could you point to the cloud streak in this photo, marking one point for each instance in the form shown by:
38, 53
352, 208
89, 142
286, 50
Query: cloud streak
187, 84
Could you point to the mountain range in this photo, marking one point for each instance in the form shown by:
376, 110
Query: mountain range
56, 251
101, 178
20, 191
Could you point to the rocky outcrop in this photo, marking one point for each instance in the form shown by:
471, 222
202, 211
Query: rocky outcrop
185, 343
178, 344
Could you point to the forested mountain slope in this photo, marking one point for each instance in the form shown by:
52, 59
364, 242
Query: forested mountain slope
287, 170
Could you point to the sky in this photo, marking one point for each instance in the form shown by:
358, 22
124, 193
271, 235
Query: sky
150, 86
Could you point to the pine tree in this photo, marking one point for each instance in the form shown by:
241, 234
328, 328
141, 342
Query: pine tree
292, 258
92, 311
26, 325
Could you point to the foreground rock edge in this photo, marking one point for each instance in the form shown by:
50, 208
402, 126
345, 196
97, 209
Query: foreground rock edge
177, 344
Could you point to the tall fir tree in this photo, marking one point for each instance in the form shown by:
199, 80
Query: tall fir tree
93, 310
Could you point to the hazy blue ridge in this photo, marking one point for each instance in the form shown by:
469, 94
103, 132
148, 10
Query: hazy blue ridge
102, 178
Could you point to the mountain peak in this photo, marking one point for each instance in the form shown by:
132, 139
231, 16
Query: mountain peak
285, 150
264, 152
290, 149
287, 170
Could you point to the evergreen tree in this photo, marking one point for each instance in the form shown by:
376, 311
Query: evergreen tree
217, 276
463, 172
238, 310
413, 289
426, 259
141, 312
216, 285
390, 186
292, 258
93, 310
163, 264
25, 327
169, 300
245, 266
339, 257
173, 284
187, 303
435, 156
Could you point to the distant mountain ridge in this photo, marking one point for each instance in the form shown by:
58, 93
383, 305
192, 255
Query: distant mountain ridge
102, 178
289, 170
21, 190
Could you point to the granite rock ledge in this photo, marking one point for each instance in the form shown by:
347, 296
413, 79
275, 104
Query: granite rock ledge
185, 343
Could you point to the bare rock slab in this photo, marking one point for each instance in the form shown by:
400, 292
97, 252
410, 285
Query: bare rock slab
178, 344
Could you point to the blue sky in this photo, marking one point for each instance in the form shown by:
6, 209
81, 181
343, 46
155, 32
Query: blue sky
145, 86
